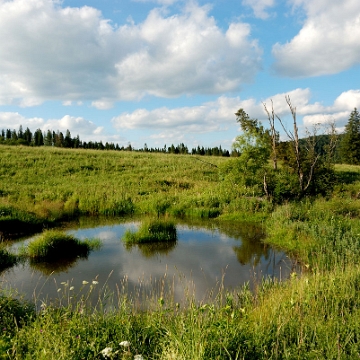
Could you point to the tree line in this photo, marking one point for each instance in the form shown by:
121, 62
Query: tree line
58, 139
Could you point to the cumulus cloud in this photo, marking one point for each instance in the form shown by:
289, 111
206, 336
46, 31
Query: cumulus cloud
73, 54
259, 7
102, 104
76, 125
328, 42
211, 116
13, 120
179, 123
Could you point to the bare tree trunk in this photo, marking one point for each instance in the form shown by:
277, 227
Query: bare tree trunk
273, 133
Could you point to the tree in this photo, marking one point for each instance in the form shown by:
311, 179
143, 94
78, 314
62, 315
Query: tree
48, 140
303, 170
254, 147
67, 140
38, 138
314, 169
350, 143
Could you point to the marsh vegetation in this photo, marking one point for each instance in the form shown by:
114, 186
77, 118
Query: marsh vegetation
314, 315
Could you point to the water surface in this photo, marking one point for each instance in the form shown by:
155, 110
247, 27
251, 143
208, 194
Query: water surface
206, 256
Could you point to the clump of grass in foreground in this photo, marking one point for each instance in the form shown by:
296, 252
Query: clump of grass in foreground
311, 317
54, 244
7, 259
152, 231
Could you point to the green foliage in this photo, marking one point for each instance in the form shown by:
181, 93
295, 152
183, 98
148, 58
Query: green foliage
15, 313
54, 244
152, 231
350, 143
304, 169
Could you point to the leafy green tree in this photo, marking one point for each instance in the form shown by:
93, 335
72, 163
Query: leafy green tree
248, 171
303, 169
350, 143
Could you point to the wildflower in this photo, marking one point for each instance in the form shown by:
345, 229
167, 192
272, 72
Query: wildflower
72, 288
85, 282
59, 289
125, 343
95, 282
138, 357
107, 352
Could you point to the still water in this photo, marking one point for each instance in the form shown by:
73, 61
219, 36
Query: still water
206, 256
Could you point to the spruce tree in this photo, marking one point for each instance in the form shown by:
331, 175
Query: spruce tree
350, 144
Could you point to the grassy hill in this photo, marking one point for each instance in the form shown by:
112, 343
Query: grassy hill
312, 316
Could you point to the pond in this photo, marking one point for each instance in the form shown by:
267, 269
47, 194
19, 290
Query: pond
206, 256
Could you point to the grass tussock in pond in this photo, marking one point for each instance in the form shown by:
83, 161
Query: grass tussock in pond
152, 231
54, 244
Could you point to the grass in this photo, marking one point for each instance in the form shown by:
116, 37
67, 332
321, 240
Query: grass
53, 244
312, 316
152, 231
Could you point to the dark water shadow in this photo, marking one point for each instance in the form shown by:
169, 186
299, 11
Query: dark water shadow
58, 265
149, 250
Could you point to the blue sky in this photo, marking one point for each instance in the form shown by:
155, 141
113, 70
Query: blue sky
170, 71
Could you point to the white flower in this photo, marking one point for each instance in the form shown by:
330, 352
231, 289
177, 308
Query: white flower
85, 282
95, 282
72, 288
106, 352
125, 343
138, 357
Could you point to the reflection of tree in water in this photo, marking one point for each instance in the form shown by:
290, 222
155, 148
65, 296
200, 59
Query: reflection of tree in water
155, 248
56, 266
251, 248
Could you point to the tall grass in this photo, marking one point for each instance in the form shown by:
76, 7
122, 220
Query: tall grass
313, 315
152, 231
54, 244
60, 184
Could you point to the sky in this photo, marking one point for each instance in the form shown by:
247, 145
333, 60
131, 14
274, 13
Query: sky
165, 72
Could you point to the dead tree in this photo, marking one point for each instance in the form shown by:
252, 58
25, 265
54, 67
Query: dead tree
273, 133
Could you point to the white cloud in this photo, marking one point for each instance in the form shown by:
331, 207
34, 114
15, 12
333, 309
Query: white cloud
102, 104
178, 124
328, 42
160, 2
74, 54
211, 116
259, 7
12, 121
86, 129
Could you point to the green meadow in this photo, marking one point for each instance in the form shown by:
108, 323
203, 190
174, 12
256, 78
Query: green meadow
312, 315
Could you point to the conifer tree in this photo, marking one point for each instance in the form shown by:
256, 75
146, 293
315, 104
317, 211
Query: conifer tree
350, 144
